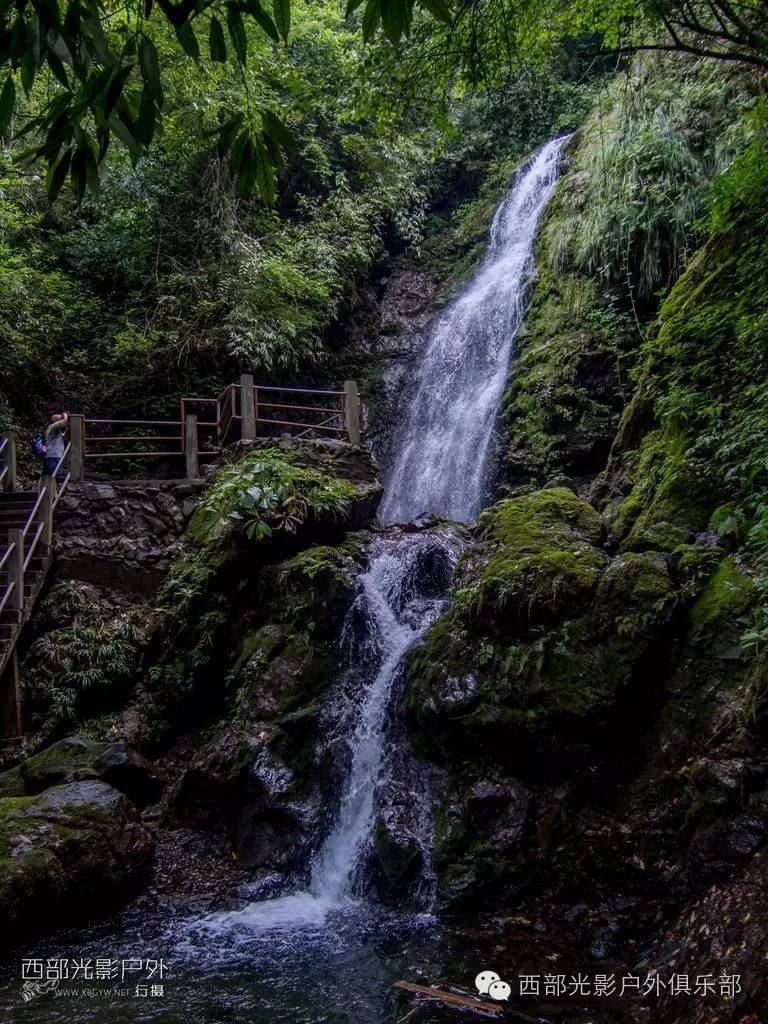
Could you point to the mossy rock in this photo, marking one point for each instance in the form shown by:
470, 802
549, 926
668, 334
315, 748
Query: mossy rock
636, 595
670, 500
72, 852
543, 559
566, 395
79, 758
534, 681
726, 596
280, 674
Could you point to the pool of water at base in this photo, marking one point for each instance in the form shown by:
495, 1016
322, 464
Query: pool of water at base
295, 959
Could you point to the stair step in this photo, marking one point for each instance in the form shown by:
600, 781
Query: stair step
8, 497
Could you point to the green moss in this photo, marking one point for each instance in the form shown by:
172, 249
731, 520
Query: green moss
669, 500
542, 556
563, 403
12, 783
635, 595
726, 596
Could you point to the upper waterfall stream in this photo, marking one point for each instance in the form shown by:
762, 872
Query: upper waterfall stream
444, 444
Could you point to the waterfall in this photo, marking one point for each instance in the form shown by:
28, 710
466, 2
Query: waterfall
393, 613
443, 447
441, 467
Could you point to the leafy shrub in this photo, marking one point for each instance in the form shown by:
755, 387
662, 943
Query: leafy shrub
267, 493
86, 662
662, 133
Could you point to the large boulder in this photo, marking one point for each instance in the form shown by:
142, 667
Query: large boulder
72, 852
543, 558
79, 759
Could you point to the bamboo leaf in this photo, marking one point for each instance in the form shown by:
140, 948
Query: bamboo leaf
186, 35
57, 174
371, 20
7, 103
282, 12
262, 18
237, 33
216, 41
150, 68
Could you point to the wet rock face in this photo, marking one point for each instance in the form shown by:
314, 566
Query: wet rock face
398, 858
571, 692
71, 852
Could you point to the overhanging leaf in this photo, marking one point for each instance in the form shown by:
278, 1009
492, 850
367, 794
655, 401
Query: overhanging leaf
150, 68
7, 103
188, 40
237, 32
282, 12
216, 41
262, 18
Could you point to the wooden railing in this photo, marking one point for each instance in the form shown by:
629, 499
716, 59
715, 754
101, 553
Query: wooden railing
32, 539
206, 425
7, 462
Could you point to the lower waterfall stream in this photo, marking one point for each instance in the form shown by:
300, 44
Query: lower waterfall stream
331, 952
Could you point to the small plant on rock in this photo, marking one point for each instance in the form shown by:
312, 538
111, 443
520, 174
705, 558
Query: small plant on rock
265, 494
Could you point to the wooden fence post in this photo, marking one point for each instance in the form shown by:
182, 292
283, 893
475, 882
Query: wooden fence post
247, 408
11, 699
352, 411
76, 446
49, 486
16, 569
11, 480
190, 445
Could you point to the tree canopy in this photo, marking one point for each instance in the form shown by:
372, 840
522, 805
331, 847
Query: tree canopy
98, 70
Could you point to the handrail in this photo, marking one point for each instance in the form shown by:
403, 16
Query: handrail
60, 490
8, 591
4, 442
301, 391
140, 423
31, 516
59, 464
23, 583
33, 545
242, 409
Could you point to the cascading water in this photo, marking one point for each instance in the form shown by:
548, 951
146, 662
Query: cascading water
443, 448
441, 467
394, 614
325, 954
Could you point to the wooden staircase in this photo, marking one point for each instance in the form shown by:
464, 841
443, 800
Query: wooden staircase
26, 542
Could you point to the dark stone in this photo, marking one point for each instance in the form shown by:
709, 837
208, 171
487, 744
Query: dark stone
398, 856
79, 758
72, 852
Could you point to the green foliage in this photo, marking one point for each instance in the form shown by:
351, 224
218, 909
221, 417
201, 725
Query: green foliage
86, 662
171, 266
542, 557
704, 379
648, 157
266, 493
